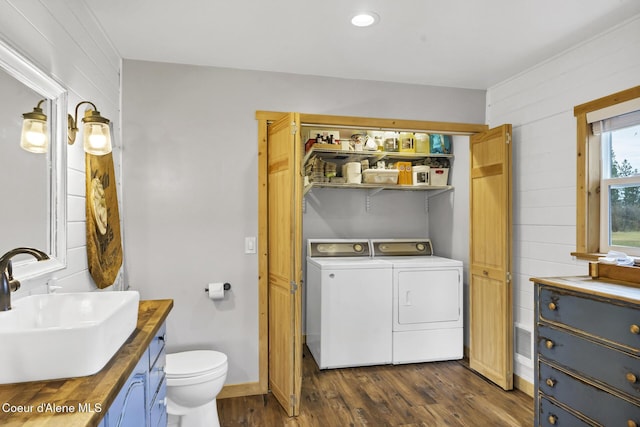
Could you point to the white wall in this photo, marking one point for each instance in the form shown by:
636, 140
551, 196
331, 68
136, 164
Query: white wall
539, 103
63, 40
190, 186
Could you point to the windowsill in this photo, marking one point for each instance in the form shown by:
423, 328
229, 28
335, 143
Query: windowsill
593, 257
587, 256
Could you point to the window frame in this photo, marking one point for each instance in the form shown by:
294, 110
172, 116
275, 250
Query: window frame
588, 175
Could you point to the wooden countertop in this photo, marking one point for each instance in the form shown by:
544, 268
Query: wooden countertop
599, 287
95, 391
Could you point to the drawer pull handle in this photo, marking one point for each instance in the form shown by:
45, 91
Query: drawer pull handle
631, 377
552, 306
635, 329
631, 423
550, 382
549, 344
552, 419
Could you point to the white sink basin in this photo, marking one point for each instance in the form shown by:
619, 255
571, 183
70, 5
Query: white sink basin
55, 336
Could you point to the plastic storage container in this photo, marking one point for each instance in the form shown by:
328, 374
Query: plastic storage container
422, 142
439, 176
421, 175
380, 176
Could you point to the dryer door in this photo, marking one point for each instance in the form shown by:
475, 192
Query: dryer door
427, 298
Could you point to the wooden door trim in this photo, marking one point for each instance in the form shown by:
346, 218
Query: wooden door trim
263, 261
367, 122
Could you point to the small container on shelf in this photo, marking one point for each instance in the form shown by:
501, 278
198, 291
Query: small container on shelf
439, 144
438, 176
380, 176
421, 175
391, 141
406, 143
352, 172
324, 136
378, 138
422, 142
404, 173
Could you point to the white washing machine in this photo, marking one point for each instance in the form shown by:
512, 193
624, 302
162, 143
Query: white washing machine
348, 297
427, 301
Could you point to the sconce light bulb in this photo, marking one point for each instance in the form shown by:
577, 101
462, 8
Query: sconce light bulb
97, 139
35, 137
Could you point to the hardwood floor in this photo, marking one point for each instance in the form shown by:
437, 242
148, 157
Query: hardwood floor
423, 394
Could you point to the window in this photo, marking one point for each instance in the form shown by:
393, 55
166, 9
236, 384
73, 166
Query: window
620, 190
607, 183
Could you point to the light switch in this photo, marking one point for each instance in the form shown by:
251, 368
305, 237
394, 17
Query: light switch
249, 245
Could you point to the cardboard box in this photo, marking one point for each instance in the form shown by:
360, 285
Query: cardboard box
405, 176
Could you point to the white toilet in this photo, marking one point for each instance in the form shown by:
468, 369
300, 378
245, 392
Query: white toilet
194, 379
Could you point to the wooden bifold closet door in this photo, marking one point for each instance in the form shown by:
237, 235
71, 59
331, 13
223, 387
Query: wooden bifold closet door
285, 261
490, 293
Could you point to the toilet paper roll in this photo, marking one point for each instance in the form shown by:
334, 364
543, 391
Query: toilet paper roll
216, 291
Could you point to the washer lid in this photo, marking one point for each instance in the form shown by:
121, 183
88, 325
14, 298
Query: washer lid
338, 263
193, 363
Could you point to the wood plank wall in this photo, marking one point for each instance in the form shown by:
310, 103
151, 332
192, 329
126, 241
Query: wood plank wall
539, 103
64, 40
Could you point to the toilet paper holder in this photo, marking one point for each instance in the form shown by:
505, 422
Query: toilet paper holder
226, 287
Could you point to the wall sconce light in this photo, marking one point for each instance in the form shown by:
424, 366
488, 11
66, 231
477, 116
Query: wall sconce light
97, 136
35, 135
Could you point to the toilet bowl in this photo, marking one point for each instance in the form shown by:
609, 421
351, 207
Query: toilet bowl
194, 379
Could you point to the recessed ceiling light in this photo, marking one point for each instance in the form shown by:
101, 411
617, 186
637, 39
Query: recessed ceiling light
364, 19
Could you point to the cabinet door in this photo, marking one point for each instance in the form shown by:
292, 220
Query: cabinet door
491, 318
285, 264
129, 409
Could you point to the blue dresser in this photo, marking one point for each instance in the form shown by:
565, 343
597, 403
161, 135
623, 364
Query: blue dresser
587, 357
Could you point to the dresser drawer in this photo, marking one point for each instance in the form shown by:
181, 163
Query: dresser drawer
158, 410
157, 374
605, 364
608, 320
551, 415
594, 403
157, 345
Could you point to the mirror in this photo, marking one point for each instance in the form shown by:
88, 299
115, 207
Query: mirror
34, 191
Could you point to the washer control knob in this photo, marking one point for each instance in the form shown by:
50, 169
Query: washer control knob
358, 247
421, 247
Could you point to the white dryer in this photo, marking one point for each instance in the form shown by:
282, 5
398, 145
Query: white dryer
348, 297
427, 301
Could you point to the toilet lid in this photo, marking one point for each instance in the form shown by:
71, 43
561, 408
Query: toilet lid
193, 363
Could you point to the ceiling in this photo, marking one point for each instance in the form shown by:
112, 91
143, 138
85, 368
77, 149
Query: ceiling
458, 43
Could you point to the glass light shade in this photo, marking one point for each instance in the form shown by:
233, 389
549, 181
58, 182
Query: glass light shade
97, 138
35, 135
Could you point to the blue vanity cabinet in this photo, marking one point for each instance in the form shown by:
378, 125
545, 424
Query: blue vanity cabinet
587, 358
158, 380
129, 408
142, 400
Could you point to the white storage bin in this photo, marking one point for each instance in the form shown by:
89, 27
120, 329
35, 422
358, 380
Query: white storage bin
439, 176
421, 175
380, 176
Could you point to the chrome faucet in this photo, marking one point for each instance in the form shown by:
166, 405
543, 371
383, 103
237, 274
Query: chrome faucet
7, 283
